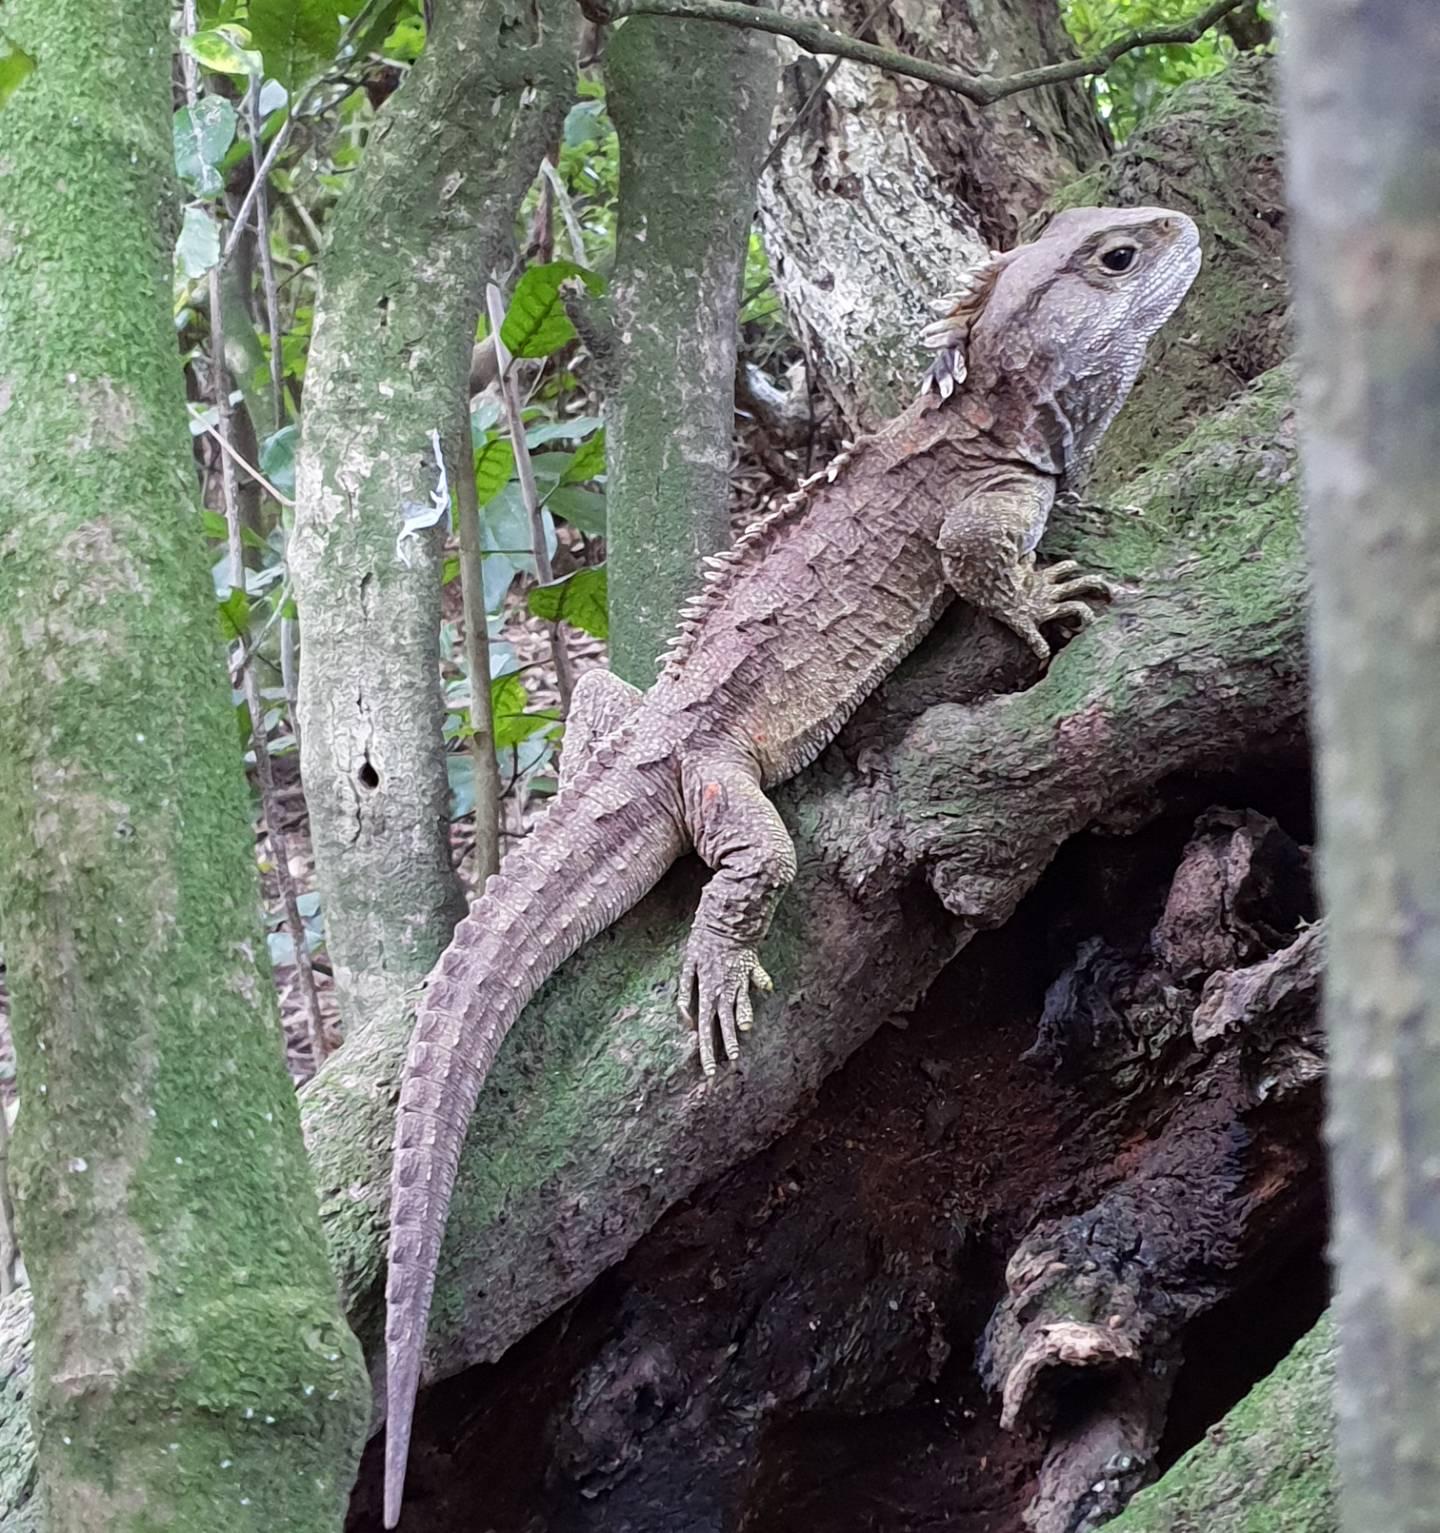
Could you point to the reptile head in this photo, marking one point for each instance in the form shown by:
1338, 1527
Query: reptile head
1052, 333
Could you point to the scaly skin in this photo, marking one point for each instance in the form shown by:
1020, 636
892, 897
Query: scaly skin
798, 624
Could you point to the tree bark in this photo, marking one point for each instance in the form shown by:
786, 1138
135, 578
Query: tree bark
1364, 143
687, 195
887, 187
427, 218
192, 1368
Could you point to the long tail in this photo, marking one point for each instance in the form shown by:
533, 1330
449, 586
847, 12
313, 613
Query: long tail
604, 843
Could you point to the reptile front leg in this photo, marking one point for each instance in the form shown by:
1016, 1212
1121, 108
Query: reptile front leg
987, 547
738, 833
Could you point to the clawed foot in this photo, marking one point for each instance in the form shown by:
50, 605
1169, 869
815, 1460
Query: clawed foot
1056, 593
722, 974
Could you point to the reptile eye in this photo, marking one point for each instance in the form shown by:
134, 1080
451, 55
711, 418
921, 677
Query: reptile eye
1119, 258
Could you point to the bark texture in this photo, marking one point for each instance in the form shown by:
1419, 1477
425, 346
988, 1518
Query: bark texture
887, 186
190, 1370
428, 216
687, 195
1365, 146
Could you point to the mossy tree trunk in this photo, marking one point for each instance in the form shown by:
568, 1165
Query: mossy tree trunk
428, 216
1365, 184
192, 1368
692, 103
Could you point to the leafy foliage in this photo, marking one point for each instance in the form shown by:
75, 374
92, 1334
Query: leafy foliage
536, 323
203, 133
298, 38
578, 599
1136, 81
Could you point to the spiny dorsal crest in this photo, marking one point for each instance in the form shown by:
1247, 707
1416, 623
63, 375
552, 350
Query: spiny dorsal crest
717, 570
949, 335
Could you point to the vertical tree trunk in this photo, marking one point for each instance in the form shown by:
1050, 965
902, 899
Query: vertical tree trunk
1365, 184
192, 1365
429, 214
888, 186
692, 103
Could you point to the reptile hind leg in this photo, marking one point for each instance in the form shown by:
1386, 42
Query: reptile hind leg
738, 833
600, 703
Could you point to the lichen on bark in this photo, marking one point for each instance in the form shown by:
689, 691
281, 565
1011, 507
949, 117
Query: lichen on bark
888, 187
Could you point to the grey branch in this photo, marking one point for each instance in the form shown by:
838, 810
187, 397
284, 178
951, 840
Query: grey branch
814, 37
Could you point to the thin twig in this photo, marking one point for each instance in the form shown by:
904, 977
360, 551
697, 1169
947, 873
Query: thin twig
510, 393
319, 1044
267, 261
814, 37
301, 215
9, 1247
261, 176
783, 136
254, 473
251, 649
567, 212
189, 64
483, 762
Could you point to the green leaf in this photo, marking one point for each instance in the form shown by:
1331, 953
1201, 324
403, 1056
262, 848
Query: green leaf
579, 600
277, 459
365, 32
582, 508
198, 247
536, 323
572, 429
505, 529
299, 38
234, 616
508, 700
203, 133
214, 527
223, 52
584, 123
494, 466
588, 461
461, 772
16, 66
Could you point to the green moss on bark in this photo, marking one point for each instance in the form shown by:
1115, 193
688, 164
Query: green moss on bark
167, 1216
1268, 1467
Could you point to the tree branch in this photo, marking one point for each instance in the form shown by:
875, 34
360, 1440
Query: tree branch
814, 37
